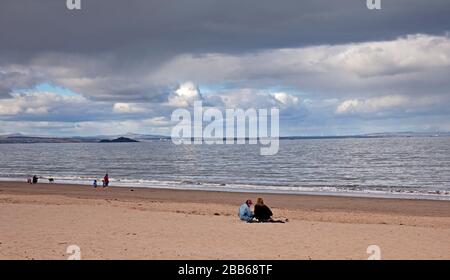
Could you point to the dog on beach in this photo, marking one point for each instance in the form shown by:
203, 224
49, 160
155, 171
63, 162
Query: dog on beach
51, 180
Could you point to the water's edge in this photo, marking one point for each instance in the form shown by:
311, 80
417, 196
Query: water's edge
306, 190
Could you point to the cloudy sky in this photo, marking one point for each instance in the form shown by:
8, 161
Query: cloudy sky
332, 67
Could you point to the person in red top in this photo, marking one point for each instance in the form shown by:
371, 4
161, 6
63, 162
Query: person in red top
106, 181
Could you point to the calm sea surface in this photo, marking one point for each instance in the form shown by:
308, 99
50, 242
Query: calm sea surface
415, 167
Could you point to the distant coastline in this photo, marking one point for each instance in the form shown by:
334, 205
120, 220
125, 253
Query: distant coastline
26, 139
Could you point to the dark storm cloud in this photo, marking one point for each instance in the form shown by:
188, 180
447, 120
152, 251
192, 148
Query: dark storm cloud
165, 27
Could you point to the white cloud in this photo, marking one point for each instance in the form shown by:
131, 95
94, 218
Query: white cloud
347, 106
128, 108
156, 122
185, 95
286, 99
412, 53
38, 103
258, 99
388, 103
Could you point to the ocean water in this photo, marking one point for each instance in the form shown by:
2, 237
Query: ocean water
414, 167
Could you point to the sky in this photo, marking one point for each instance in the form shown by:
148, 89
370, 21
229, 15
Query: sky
331, 67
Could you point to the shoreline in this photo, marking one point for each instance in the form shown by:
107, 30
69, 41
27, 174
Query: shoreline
40, 221
214, 187
420, 207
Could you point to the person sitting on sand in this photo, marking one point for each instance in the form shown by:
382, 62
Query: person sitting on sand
245, 213
263, 213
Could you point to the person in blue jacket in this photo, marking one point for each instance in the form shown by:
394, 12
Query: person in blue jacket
245, 213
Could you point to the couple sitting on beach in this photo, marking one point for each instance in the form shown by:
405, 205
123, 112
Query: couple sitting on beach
261, 214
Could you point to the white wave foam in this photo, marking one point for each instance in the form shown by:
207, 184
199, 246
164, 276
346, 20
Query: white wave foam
309, 190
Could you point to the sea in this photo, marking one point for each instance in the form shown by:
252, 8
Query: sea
390, 167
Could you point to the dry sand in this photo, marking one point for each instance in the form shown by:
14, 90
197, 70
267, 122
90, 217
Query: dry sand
41, 221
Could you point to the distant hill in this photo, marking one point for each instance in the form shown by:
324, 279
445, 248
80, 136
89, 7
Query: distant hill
29, 139
119, 140
139, 137
32, 139
409, 134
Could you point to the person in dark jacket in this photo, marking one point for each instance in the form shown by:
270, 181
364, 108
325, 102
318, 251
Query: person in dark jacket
106, 181
263, 213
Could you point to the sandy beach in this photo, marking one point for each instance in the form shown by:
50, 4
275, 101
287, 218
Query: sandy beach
41, 221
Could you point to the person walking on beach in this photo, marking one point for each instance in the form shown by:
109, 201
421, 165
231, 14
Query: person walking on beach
95, 184
106, 181
245, 213
35, 179
263, 213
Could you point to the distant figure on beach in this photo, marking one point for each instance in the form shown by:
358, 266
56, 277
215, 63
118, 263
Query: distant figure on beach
29, 181
245, 213
106, 181
35, 179
94, 184
263, 213
51, 180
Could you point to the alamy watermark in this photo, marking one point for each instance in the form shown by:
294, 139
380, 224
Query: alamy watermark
373, 4
73, 4
239, 126
374, 252
74, 252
